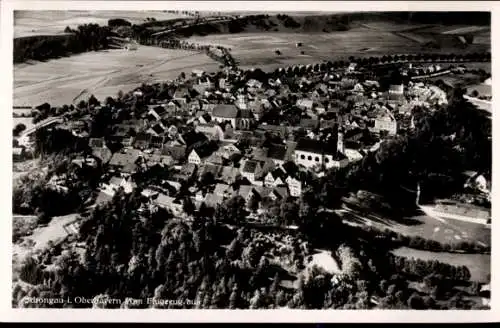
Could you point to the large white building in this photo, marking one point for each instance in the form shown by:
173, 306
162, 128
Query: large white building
318, 155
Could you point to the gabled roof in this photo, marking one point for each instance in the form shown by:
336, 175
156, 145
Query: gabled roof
313, 146
124, 159
225, 111
176, 152
220, 188
250, 166
192, 137
277, 152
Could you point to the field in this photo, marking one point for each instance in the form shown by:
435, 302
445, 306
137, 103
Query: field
258, 49
104, 73
445, 231
479, 265
51, 22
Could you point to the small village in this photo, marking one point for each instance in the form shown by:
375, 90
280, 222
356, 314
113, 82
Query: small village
260, 162
224, 134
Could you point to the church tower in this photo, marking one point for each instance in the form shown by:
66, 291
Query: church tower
340, 140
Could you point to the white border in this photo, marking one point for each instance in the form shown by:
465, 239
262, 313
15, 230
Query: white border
88, 315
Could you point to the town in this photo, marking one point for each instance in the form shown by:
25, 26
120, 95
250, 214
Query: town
272, 187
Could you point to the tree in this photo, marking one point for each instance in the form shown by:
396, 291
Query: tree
253, 203
93, 101
188, 206
20, 127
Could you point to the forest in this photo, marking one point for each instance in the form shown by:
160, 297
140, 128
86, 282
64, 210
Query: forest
87, 37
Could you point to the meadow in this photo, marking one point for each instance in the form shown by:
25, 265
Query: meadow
479, 265
443, 231
259, 49
68, 80
49, 22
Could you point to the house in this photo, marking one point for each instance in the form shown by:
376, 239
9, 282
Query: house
18, 153
228, 151
177, 152
477, 181
215, 159
157, 112
213, 169
277, 153
245, 119
313, 153
115, 183
353, 155
275, 178
294, 186
95, 143
278, 194
212, 200
222, 113
186, 172
385, 121
351, 68
305, 104
229, 174
194, 158
142, 140
157, 129
396, 89
125, 161
251, 170
223, 190
213, 131
192, 137
157, 142
175, 206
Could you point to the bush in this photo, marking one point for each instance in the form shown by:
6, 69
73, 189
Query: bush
118, 22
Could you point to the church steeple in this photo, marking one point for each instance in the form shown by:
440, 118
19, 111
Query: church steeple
340, 139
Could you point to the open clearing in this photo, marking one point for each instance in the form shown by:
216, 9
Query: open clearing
258, 49
479, 265
444, 231
49, 22
101, 73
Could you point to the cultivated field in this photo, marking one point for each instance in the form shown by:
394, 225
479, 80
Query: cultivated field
479, 265
50, 22
258, 49
104, 73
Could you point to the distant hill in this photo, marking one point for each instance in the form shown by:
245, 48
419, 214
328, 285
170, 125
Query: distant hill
307, 23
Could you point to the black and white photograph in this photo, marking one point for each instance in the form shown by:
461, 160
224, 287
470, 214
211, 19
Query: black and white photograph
251, 159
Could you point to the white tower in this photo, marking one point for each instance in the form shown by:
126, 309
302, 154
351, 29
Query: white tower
418, 194
340, 141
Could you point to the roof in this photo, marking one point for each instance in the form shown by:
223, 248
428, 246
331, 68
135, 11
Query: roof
305, 103
277, 151
281, 191
124, 159
96, 142
229, 173
220, 188
213, 200
313, 146
250, 166
214, 169
309, 123
158, 128
176, 152
245, 113
225, 111
115, 181
192, 137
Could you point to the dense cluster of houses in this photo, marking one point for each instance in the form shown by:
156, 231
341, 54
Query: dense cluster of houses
224, 134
